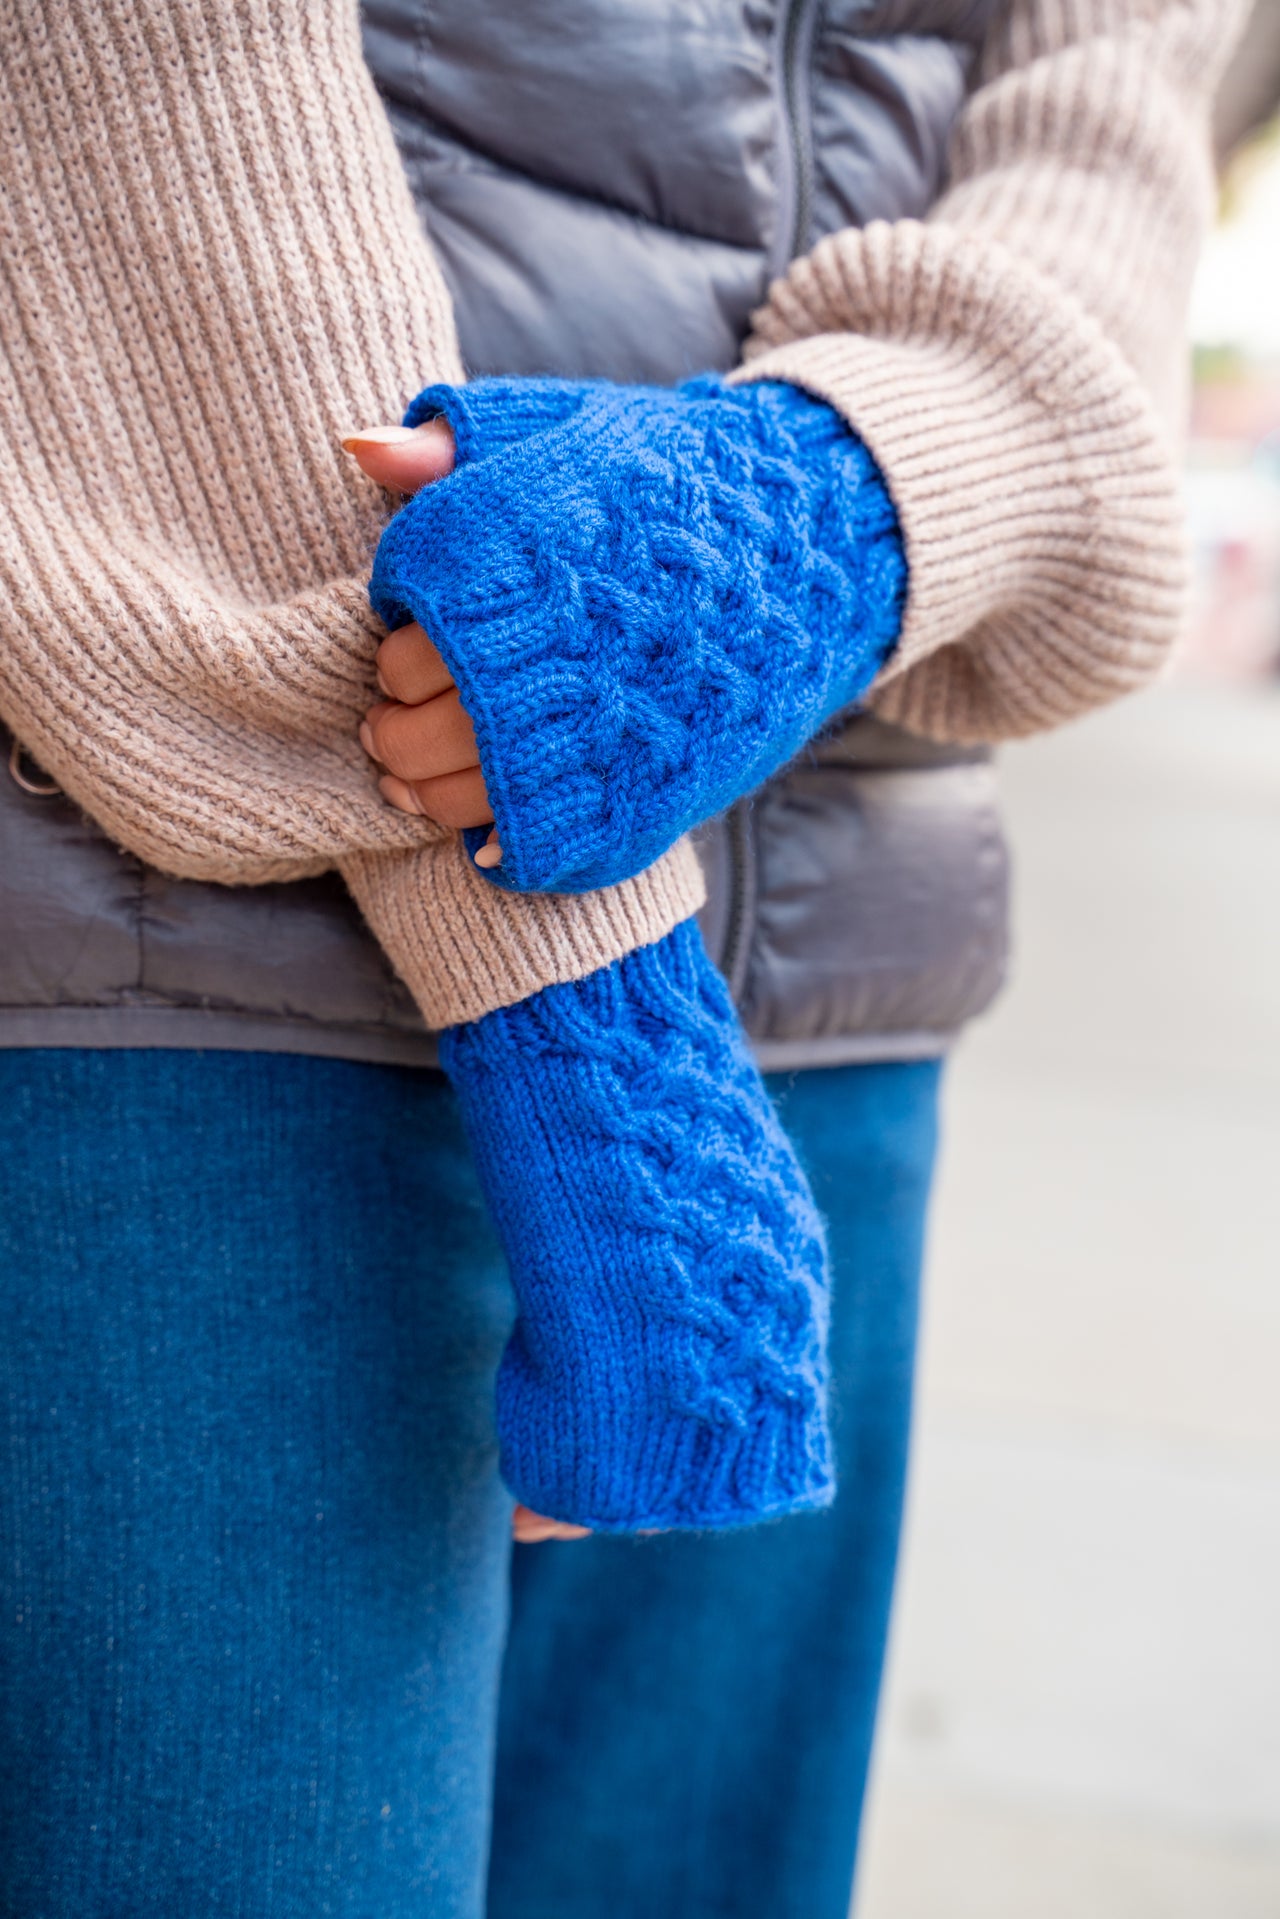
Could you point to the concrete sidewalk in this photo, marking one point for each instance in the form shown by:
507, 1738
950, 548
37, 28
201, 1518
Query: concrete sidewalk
1083, 1717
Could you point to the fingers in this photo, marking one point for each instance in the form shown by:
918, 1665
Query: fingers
422, 736
490, 854
400, 794
530, 1528
410, 667
403, 457
421, 742
456, 800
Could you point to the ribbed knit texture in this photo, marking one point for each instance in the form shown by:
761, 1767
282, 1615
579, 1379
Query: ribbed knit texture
1017, 364
650, 600
210, 270
667, 1365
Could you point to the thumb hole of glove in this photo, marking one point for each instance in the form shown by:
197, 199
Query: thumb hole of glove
492, 415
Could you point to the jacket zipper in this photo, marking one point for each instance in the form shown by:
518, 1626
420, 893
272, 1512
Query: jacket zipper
735, 954
795, 197
44, 789
795, 211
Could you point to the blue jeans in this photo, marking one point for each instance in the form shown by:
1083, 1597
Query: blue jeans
254, 1560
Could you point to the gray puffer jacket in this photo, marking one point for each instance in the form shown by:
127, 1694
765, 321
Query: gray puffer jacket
609, 189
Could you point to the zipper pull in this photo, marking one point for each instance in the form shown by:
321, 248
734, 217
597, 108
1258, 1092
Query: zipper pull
43, 791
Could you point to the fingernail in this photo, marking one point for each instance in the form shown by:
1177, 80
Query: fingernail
399, 794
489, 856
382, 685
529, 1531
378, 436
366, 739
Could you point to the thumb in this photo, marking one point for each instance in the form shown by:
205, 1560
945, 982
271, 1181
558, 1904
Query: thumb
403, 457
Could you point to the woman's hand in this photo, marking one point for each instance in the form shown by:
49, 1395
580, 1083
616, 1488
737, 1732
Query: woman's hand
650, 598
423, 737
530, 1528
420, 733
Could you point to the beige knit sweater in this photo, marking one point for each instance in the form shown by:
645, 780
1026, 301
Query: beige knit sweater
1017, 364
210, 270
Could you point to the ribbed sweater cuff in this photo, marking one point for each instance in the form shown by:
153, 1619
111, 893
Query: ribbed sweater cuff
1032, 479
464, 949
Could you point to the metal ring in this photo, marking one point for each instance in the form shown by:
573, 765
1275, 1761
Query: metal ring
19, 778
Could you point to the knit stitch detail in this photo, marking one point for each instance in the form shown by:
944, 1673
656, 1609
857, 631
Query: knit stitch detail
211, 270
650, 599
667, 1367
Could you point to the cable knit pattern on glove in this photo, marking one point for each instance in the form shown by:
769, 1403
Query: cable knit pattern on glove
650, 599
667, 1367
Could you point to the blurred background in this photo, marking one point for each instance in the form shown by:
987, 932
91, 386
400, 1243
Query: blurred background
1083, 1714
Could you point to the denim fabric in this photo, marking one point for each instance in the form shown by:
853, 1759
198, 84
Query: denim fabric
253, 1547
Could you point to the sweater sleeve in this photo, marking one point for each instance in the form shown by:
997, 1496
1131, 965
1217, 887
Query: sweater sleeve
210, 270
1015, 364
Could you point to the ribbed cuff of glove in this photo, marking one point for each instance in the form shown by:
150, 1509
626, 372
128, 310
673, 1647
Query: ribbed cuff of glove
667, 1367
650, 599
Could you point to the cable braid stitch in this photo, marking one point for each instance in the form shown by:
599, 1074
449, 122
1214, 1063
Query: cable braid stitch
649, 600
668, 1361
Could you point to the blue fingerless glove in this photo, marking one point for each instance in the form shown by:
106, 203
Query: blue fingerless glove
667, 1367
649, 598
